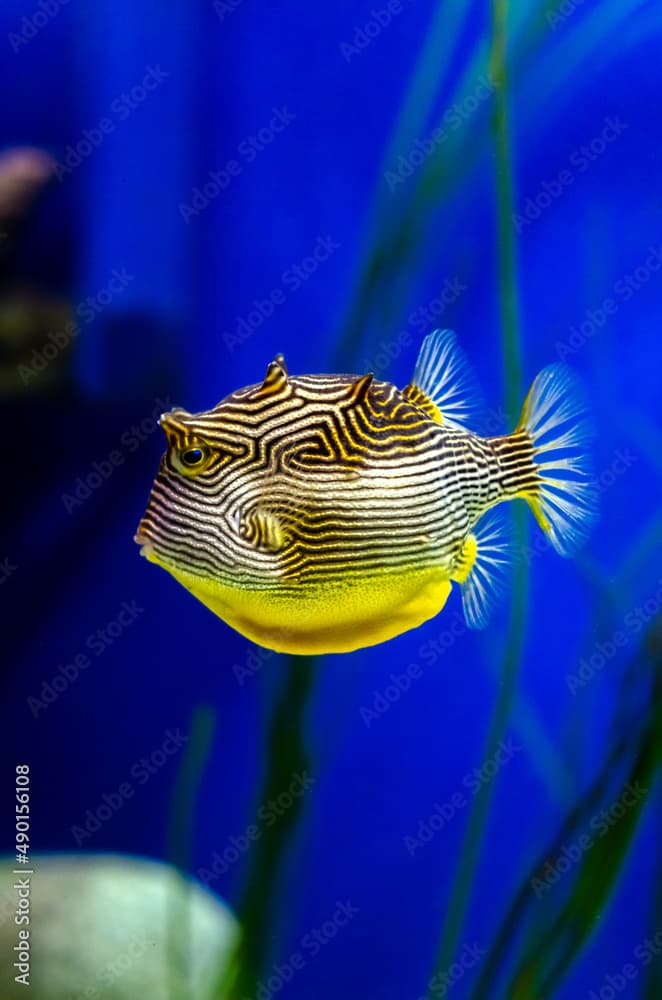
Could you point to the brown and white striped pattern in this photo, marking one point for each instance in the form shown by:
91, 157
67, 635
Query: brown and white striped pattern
315, 479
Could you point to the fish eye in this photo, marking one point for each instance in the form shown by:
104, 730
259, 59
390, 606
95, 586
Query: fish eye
191, 460
192, 457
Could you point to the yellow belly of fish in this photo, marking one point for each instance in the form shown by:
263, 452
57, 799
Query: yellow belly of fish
327, 618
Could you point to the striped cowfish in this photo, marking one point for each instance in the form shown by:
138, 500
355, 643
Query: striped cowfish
324, 513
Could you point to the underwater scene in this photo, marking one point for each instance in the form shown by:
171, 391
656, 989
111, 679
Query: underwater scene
295, 300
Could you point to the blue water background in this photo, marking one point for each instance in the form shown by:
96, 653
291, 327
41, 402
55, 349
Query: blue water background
164, 338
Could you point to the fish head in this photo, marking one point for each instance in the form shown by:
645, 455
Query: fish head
206, 517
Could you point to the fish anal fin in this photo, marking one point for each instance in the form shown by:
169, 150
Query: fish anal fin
481, 569
420, 399
466, 559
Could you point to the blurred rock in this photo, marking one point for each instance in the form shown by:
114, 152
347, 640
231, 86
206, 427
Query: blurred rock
114, 927
36, 342
36, 330
23, 172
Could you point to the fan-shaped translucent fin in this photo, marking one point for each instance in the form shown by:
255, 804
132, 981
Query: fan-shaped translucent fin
445, 379
483, 568
556, 418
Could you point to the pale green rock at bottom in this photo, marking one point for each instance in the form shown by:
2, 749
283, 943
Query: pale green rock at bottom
113, 927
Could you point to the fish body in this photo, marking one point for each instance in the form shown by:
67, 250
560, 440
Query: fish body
323, 513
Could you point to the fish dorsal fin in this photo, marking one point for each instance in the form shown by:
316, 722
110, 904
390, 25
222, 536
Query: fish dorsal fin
276, 378
423, 402
443, 384
359, 389
482, 569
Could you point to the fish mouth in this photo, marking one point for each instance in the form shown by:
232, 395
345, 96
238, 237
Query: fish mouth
141, 539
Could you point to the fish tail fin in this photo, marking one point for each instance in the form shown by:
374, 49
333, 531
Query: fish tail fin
547, 459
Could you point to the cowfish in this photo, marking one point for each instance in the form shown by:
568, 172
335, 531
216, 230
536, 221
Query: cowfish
326, 513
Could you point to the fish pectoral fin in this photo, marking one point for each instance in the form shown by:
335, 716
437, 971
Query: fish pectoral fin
443, 385
482, 568
265, 530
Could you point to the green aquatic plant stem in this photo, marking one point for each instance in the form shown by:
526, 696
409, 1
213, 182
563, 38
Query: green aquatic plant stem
567, 917
507, 259
395, 247
479, 814
549, 958
512, 359
187, 785
380, 267
653, 988
180, 833
447, 20
286, 756
566, 936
